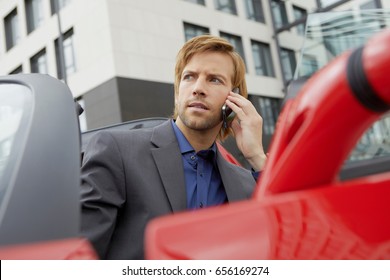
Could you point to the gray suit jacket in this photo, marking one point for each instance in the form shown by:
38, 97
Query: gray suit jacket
131, 177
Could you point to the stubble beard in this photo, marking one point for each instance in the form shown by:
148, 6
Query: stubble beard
198, 123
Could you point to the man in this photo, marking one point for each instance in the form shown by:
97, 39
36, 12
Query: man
131, 177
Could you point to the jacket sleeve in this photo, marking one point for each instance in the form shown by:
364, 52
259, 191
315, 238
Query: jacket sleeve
102, 190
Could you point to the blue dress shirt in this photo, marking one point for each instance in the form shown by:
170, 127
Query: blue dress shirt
203, 182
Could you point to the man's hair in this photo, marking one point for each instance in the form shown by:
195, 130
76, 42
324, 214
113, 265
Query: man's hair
209, 43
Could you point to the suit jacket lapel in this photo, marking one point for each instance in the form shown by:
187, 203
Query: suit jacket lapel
169, 164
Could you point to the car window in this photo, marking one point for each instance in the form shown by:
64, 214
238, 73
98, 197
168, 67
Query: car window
371, 154
14, 100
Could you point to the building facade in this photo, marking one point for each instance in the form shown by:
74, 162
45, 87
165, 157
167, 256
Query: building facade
118, 56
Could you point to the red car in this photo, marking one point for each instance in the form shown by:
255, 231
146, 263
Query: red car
301, 209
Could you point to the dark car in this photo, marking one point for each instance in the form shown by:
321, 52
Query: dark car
39, 170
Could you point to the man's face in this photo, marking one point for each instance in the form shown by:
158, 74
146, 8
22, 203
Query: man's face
204, 86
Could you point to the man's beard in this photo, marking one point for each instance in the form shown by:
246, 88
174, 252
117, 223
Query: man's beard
198, 123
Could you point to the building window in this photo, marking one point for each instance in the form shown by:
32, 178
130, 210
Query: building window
60, 5
192, 30
34, 14
262, 58
227, 6
39, 63
298, 14
236, 42
69, 55
199, 2
254, 10
269, 111
279, 13
289, 63
17, 70
11, 25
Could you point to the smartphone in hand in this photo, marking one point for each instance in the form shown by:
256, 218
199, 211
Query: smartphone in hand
227, 113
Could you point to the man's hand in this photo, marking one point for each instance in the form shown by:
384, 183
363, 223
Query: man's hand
247, 128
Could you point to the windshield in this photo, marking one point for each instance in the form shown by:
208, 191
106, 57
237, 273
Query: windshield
328, 35
13, 101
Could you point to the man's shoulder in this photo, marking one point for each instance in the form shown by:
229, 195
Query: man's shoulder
126, 133
242, 170
129, 137
232, 168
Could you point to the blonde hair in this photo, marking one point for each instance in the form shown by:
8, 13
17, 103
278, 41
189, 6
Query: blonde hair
210, 43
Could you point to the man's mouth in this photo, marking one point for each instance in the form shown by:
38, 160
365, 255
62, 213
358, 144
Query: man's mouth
198, 105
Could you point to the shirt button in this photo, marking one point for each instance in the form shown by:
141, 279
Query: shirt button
201, 205
193, 157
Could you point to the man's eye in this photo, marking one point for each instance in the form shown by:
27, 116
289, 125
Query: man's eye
216, 80
187, 77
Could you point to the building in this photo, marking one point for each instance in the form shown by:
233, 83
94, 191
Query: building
118, 56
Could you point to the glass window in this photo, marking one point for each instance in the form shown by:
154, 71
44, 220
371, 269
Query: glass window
200, 2
69, 55
279, 13
236, 42
192, 30
254, 10
11, 25
374, 142
269, 110
15, 106
350, 36
298, 14
34, 14
17, 70
289, 63
227, 6
60, 5
333, 33
372, 4
309, 65
39, 63
262, 58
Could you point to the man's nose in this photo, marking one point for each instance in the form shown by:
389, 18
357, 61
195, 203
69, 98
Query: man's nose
199, 88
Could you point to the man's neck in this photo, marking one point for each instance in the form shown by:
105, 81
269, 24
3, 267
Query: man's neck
199, 139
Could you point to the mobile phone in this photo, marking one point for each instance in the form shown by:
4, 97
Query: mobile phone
227, 113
